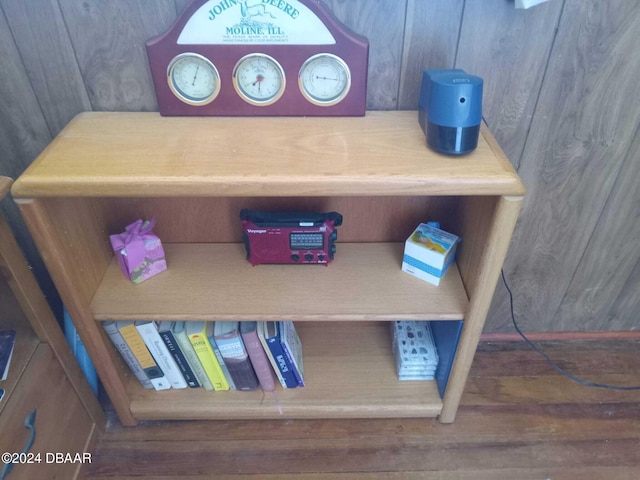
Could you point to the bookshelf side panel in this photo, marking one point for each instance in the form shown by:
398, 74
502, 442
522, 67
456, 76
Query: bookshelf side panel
36, 309
69, 235
473, 225
482, 270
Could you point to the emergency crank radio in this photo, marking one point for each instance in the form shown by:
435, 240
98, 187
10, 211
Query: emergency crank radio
289, 237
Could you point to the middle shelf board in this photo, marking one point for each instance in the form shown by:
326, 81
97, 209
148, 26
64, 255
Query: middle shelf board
215, 282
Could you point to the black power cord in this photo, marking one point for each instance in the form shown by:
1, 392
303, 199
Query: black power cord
548, 358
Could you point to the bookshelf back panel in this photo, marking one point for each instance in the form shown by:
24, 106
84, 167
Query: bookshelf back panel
83, 225
349, 372
216, 219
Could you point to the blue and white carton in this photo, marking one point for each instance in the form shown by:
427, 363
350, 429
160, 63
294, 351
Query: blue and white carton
429, 252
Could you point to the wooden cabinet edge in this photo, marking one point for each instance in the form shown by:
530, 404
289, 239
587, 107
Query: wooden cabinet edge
501, 230
5, 186
502, 158
42, 318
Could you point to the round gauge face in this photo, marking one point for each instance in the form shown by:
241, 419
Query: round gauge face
193, 79
259, 79
324, 79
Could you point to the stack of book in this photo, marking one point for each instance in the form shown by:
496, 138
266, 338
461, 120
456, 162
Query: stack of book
211, 355
414, 350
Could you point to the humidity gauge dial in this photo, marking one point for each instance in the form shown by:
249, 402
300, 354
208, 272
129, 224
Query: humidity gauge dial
259, 79
193, 79
324, 79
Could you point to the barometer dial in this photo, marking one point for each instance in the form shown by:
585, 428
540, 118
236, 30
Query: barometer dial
324, 79
193, 78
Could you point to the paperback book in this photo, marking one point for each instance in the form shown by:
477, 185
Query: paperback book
257, 355
179, 330
281, 360
149, 333
169, 339
199, 333
265, 330
125, 352
139, 349
292, 347
229, 340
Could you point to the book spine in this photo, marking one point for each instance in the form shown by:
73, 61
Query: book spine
209, 362
267, 351
141, 352
192, 359
223, 365
125, 352
159, 351
259, 361
291, 348
181, 361
237, 361
296, 373
281, 361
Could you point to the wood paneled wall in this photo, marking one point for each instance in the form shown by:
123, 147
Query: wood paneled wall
561, 96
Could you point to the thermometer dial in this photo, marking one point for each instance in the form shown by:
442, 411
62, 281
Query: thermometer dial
193, 79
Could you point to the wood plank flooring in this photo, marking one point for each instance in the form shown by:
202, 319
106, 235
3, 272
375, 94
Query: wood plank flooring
519, 420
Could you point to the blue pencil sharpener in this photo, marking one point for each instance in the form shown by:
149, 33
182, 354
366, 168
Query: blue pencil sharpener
450, 110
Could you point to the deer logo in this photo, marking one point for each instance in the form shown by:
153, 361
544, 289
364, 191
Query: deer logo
250, 11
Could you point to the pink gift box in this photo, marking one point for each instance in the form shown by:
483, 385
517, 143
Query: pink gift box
139, 251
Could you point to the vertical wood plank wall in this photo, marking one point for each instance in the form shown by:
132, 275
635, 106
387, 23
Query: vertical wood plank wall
561, 95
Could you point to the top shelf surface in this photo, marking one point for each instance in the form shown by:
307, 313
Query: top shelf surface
120, 154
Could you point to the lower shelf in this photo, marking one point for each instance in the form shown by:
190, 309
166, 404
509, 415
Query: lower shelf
349, 371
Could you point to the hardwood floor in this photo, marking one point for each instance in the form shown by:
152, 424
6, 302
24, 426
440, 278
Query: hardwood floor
519, 420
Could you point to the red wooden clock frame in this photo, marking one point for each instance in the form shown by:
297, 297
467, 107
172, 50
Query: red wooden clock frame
351, 48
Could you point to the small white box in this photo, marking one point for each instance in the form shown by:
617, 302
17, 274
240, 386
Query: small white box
428, 252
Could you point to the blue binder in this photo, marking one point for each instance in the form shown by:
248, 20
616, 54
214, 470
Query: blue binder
446, 335
77, 347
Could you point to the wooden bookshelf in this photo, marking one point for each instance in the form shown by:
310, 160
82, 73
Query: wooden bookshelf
107, 169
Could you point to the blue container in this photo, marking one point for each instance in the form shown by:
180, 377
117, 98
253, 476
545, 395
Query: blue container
450, 110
